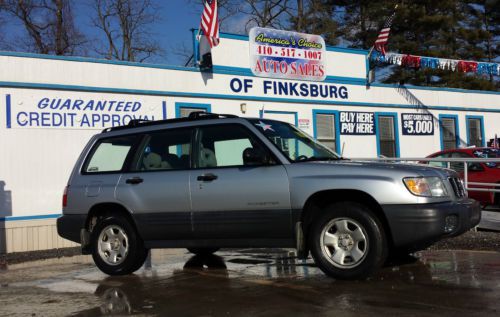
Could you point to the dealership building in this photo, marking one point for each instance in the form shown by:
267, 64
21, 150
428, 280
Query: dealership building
51, 105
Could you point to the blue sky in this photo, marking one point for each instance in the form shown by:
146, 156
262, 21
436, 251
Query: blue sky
172, 31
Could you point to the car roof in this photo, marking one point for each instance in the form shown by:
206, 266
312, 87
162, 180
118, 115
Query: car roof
468, 150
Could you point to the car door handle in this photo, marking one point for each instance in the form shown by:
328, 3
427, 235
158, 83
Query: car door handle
134, 180
207, 177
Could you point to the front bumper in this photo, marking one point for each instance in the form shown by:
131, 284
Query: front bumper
69, 226
418, 226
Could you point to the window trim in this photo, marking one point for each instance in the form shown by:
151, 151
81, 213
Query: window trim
457, 130
202, 106
394, 115
335, 113
481, 122
195, 148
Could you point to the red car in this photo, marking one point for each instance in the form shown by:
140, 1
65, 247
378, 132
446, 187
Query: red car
478, 172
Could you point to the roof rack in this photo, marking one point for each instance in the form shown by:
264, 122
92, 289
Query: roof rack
136, 122
197, 115
209, 115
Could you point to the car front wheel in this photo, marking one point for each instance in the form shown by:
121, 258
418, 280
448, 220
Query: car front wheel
347, 241
116, 247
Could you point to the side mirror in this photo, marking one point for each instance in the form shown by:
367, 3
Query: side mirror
253, 156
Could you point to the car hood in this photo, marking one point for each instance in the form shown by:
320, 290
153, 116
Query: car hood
387, 167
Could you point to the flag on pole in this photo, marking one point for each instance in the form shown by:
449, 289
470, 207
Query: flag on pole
210, 22
383, 36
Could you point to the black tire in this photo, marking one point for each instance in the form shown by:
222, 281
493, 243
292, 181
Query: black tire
203, 251
131, 260
372, 244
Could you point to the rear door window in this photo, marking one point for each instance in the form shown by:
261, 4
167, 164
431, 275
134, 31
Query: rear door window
109, 155
165, 150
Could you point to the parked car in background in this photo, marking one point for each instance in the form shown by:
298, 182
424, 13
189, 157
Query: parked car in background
477, 172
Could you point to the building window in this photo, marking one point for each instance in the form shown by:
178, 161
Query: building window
449, 133
474, 132
387, 136
185, 111
326, 130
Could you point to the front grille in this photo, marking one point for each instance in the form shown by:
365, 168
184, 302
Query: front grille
458, 187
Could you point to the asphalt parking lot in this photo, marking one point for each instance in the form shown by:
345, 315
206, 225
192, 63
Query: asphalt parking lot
253, 283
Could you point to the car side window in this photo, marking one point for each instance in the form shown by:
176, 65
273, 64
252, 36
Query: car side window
230, 145
458, 166
439, 164
164, 150
109, 154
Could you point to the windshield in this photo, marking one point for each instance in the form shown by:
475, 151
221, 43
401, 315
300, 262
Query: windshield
488, 153
294, 143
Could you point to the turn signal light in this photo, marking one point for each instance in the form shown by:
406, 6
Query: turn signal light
425, 186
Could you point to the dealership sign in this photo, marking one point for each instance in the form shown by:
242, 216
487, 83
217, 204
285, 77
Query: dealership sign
287, 55
417, 124
357, 123
66, 110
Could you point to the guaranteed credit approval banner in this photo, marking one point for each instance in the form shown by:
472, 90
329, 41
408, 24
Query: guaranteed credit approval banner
78, 110
287, 55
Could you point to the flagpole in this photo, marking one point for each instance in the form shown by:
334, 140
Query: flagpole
373, 46
198, 36
370, 52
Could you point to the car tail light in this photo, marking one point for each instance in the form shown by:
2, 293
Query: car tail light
65, 197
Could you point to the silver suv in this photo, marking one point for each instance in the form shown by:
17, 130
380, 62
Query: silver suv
212, 181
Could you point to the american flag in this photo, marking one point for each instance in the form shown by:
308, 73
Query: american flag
383, 36
210, 22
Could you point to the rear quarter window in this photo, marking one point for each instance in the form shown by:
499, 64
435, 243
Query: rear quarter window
109, 155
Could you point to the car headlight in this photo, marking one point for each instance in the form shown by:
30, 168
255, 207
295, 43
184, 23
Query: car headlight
425, 186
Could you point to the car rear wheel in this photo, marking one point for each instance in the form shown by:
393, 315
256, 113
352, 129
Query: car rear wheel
116, 247
347, 241
203, 251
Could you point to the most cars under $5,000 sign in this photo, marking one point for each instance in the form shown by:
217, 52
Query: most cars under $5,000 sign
284, 54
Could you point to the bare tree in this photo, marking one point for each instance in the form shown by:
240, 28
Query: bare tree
4, 45
49, 25
263, 13
266, 13
126, 25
